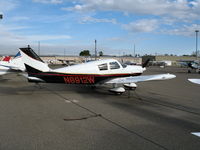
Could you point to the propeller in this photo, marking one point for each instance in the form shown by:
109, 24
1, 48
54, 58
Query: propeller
145, 63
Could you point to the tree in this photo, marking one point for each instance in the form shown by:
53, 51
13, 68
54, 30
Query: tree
85, 53
100, 53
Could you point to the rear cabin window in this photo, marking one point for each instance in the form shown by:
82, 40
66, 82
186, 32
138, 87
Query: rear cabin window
103, 67
114, 65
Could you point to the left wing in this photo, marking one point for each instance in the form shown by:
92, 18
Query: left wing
135, 79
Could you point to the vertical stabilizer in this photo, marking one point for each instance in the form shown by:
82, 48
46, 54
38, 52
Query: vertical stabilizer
6, 58
31, 59
16, 63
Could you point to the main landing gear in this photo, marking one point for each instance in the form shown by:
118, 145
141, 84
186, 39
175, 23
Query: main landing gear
121, 90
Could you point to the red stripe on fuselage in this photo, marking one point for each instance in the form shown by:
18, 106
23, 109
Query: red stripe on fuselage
77, 78
95, 75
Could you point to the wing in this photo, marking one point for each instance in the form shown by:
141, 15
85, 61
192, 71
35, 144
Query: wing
141, 78
197, 81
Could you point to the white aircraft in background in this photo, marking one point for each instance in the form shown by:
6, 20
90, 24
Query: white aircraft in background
108, 71
197, 81
195, 65
12, 65
6, 58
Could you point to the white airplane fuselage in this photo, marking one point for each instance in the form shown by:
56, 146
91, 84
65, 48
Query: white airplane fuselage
86, 73
101, 67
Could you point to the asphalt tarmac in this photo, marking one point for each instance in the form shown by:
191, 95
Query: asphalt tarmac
158, 115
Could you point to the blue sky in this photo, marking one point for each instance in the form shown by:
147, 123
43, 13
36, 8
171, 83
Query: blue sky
154, 26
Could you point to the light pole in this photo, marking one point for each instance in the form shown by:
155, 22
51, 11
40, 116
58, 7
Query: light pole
64, 54
38, 48
1, 16
95, 47
196, 43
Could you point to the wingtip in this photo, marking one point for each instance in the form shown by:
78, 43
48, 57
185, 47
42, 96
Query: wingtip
171, 76
196, 81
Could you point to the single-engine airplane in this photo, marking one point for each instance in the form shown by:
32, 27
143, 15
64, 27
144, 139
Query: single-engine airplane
12, 65
108, 71
192, 65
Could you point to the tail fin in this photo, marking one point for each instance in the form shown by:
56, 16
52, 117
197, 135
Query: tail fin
6, 58
16, 63
32, 61
17, 55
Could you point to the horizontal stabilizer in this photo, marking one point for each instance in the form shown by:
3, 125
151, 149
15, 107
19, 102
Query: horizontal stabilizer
142, 78
35, 79
32, 79
2, 72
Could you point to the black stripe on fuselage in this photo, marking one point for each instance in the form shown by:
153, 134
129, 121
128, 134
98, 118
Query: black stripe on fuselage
52, 77
68, 78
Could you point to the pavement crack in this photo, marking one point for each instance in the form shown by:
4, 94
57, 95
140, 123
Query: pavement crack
82, 118
108, 120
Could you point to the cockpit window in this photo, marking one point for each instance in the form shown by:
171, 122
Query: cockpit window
114, 65
103, 67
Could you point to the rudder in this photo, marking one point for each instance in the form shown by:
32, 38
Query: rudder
31, 59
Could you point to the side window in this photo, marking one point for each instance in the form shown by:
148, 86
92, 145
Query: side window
114, 65
103, 67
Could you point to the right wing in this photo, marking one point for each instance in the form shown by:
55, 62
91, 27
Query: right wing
197, 81
135, 79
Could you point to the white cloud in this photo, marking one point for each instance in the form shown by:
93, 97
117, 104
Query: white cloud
11, 42
175, 8
20, 18
49, 1
144, 25
168, 13
10, 38
185, 30
153, 25
89, 19
9, 28
46, 37
6, 5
